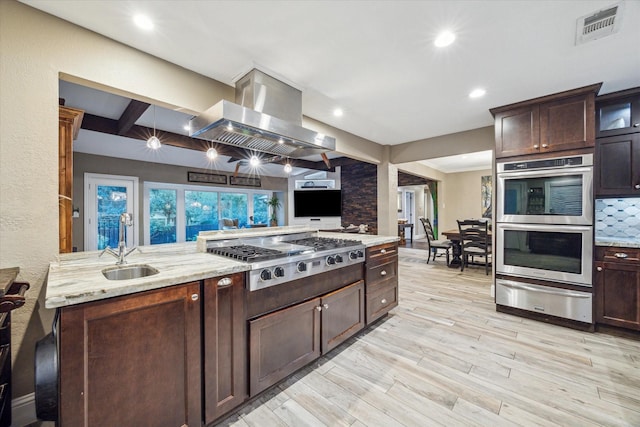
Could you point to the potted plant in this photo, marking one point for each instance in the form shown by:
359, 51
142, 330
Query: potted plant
274, 204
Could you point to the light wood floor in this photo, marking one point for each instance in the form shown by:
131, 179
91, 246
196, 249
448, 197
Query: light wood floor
445, 357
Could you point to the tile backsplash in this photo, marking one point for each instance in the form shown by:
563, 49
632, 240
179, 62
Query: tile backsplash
618, 218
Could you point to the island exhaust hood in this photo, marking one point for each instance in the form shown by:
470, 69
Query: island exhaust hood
267, 117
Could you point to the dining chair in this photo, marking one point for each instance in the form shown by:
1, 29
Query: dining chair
433, 244
475, 241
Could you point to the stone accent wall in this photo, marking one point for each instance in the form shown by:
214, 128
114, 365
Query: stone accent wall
359, 183
405, 179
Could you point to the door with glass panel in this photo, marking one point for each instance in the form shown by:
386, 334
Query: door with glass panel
106, 197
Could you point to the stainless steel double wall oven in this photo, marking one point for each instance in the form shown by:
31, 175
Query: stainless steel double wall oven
544, 236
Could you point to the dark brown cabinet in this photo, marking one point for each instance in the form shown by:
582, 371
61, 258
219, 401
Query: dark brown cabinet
617, 287
381, 278
11, 297
559, 122
617, 171
225, 345
286, 340
618, 113
132, 360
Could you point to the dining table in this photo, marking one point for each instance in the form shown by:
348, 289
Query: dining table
454, 236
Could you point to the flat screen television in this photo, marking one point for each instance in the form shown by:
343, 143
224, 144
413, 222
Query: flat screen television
317, 203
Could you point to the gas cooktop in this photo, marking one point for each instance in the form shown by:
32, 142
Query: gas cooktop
279, 259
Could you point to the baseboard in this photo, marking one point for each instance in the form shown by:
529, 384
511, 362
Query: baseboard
23, 410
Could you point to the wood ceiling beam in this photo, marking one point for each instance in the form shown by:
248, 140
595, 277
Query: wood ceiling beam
131, 114
112, 127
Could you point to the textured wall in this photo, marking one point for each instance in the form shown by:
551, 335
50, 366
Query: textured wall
360, 195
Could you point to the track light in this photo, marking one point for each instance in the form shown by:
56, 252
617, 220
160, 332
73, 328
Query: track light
254, 161
287, 167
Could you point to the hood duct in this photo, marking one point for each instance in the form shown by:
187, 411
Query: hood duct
267, 117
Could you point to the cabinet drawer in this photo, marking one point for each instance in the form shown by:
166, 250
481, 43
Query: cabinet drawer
381, 273
558, 302
381, 253
382, 301
626, 255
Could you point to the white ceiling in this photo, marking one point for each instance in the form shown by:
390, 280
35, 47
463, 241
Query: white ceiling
376, 59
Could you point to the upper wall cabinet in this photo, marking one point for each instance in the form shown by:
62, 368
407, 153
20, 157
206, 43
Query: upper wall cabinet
559, 122
618, 113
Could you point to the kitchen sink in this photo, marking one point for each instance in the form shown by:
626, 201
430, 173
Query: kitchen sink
127, 272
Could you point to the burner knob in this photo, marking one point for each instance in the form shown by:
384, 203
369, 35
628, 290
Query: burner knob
331, 260
339, 259
360, 254
302, 266
278, 272
353, 255
265, 275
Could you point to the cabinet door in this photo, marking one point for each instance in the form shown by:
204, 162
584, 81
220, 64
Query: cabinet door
618, 116
381, 300
225, 345
280, 343
517, 131
342, 315
132, 360
568, 123
618, 294
617, 171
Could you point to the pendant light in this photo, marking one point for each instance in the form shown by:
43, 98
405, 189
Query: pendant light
154, 142
287, 167
212, 153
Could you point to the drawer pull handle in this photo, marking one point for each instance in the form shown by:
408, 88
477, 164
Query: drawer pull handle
621, 255
384, 301
318, 308
538, 308
637, 186
325, 306
383, 273
599, 268
194, 297
536, 146
383, 251
226, 281
545, 145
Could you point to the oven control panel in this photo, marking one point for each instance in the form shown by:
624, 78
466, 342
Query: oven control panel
263, 277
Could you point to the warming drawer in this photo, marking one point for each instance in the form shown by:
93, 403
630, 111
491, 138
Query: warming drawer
558, 302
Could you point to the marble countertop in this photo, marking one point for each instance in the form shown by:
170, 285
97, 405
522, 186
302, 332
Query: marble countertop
622, 242
76, 278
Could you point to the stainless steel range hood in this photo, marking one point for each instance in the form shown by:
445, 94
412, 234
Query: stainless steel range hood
267, 117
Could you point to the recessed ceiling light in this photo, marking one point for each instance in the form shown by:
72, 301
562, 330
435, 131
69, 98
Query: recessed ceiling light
445, 38
477, 93
338, 112
143, 21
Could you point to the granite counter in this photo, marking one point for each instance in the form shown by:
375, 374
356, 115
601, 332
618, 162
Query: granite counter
76, 278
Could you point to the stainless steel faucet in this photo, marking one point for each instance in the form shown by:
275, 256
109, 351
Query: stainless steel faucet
126, 220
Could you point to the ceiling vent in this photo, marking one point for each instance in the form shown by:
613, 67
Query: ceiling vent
600, 24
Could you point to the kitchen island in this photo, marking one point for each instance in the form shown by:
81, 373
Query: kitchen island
192, 342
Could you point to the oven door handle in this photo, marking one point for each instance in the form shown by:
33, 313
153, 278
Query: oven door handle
565, 293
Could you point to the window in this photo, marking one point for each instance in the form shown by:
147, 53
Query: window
201, 212
162, 216
177, 213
